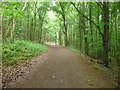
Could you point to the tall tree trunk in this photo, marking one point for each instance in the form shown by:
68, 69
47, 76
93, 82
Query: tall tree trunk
28, 22
41, 31
65, 30
98, 21
85, 32
65, 24
12, 31
34, 26
117, 48
6, 30
28, 26
31, 30
60, 36
35, 13
81, 31
2, 27
106, 33
90, 15
41, 25
66, 39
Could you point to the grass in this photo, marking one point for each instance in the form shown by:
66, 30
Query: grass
75, 50
12, 53
98, 67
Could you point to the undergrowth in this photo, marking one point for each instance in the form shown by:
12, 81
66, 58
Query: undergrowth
12, 53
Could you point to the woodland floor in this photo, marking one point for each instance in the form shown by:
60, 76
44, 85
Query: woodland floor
63, 68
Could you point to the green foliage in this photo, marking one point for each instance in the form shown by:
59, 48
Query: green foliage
12, 9
20, 50
75, 50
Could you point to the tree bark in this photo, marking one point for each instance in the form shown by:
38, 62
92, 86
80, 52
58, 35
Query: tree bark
41, 25
31, 30
85, 31
90, 15
2, 28
12, 31
35, 13
106, 33
117, 48
65, 28
65, 25
6, 31
60, 36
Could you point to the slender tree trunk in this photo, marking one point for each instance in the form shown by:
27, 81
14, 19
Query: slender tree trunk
85, 32
81, 31
65, 32
66, 39
28, 22
28, 26
73, 38
65, 25
90, 14
2, 28
99, 36
31, 30
106, 33
34, 26
35, 13
6, 31
72, 35
41, 25
41, 31
60, 36
12, 31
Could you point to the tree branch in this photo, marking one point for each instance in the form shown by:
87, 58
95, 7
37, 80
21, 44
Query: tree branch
88, 19
24, 6
99, 5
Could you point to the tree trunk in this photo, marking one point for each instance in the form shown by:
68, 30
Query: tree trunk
12, 31
6, 31
28, 26
34, 22
80, 31
31, 30
64, 23
2, 28
85, 32
28, 22
117, 49
90, 15
60, 37
106, 33
65, 30
66, 39
41, 25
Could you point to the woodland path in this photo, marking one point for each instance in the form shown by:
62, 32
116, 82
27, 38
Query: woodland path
63, 68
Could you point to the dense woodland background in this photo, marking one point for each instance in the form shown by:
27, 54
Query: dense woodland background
93, 28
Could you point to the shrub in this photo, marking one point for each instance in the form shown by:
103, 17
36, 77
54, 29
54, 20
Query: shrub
20, 50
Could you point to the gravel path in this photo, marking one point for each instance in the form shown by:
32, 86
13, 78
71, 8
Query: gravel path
63, 68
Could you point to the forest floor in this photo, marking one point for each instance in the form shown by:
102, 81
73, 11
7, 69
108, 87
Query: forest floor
63, 68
